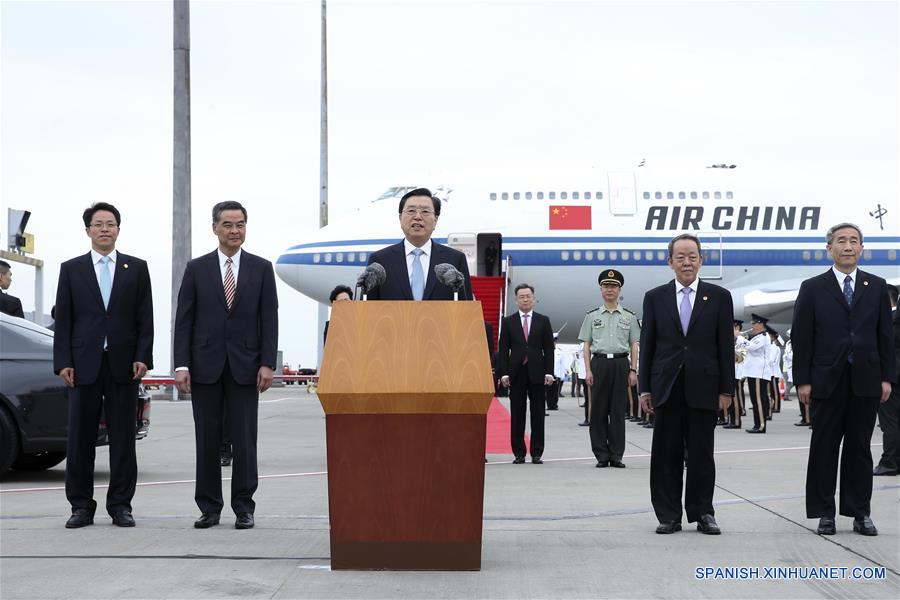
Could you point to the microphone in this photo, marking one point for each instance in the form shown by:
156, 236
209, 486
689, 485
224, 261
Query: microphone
374, 275
451, 277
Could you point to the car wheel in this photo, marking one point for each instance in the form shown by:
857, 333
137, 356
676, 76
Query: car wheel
9, 441
38, 462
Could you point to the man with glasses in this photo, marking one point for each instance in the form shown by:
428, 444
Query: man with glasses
410, 264
102, 347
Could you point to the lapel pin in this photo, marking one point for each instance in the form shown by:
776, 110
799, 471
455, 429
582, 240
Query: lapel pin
705, 298
865, 283
125, 266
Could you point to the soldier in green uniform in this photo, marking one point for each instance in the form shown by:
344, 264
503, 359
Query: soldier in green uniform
610, 333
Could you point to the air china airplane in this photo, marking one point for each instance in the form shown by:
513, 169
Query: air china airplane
763, 232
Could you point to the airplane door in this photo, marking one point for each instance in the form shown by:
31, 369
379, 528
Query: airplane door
713, 255
467, 243
622, 194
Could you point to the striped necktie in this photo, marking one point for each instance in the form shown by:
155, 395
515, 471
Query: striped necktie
229, 283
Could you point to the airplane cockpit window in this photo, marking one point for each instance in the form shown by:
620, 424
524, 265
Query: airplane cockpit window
395, 192
493, 195
729, 195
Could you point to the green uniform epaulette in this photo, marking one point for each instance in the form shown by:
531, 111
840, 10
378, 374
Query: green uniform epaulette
628, 311
592, 310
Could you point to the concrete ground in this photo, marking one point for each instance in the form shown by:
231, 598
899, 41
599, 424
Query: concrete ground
560, 530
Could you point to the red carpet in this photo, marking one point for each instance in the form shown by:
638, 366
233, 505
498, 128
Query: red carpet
497, 441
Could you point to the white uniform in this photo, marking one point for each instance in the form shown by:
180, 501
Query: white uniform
788, 359
740, 342
755, 362
561, 364
774, 354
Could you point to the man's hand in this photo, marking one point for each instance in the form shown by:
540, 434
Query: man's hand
804, 392
589, 379
724, 402
647, 404
68, 376
140, 369
183, 381
550, 379
632, 378
885, 391
264, 379
504, 381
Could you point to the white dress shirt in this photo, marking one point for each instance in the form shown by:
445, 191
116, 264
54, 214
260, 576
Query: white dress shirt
235, 265
841, 276
95, 258
679, 295
425, 259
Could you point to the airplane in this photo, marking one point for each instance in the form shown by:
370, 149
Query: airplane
762, 229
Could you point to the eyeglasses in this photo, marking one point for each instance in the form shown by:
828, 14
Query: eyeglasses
107, 225
411, 212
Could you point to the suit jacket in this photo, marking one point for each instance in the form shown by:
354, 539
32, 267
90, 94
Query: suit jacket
825, 330
705, 354
11, 305
512, 348
82, 323
206, 332
396, 286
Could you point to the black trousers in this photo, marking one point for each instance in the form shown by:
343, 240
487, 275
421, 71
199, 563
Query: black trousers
609, 395
887, 417
552, 395
774, 396
842, 416
759, 400
241, 402
119, 405
681, 428
518, 390
737, 407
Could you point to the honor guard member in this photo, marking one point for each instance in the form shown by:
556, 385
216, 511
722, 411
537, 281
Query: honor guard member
740, 354
610, 332
774, 354
756, 372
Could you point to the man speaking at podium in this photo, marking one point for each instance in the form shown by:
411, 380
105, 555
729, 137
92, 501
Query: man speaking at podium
409, 265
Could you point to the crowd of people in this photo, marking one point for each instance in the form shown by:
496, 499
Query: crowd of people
685, 368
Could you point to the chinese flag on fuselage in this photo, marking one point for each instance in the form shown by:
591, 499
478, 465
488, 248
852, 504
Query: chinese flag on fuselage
570, 217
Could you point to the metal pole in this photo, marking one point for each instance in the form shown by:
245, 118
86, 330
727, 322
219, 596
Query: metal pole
181, 173
323, 166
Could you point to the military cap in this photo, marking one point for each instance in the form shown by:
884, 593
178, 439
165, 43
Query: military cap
611, 276
758, 319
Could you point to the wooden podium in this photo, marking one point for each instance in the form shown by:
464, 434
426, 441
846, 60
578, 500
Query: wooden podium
406, 388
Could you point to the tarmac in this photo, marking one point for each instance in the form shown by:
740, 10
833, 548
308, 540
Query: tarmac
564, 529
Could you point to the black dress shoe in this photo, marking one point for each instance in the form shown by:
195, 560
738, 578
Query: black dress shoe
731, 427
648, 426
826, 526
519, 460
206, 521
707, 524
755, 430
123, 518
801, 424
225, 460
669, 527
583, 424
80, 518
536, 460
881, 470
602, 464
864, 525
244, 521
617, 464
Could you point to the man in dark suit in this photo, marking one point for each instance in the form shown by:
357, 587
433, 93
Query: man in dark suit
8, 304
844, 364
525, 366
410, 264
686, 374
102, 347
887, 412
226, 342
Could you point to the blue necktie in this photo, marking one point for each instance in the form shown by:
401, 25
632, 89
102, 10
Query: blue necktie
848, 291
417, 281
105, 280
685, 310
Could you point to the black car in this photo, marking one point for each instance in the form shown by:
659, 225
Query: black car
33, 401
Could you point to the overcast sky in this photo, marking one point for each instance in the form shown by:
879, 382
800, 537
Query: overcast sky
419, 91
